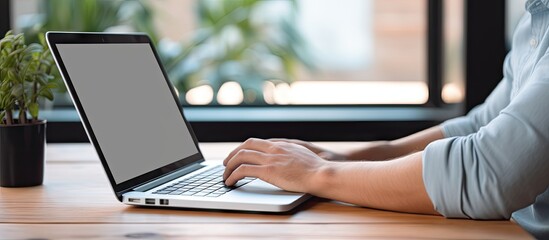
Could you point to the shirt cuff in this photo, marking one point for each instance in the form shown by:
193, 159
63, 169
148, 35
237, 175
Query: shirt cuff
443, 179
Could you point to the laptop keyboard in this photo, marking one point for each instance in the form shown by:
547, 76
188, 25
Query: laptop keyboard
207, 184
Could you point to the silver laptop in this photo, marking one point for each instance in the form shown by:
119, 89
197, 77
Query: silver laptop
133, 118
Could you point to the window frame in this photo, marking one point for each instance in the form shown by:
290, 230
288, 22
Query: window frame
485, 29
486, 49
5, 21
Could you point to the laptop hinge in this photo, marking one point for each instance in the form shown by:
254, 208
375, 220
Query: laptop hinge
169, 177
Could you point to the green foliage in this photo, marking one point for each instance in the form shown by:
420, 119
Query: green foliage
234, 42
90, 16
231, 43
26, 76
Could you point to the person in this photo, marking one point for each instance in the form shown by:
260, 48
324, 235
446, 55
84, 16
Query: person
492, 163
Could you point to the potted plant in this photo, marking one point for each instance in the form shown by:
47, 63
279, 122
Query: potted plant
26, 79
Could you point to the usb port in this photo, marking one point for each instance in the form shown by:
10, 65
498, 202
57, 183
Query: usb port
134, 200
150, 201
164, 202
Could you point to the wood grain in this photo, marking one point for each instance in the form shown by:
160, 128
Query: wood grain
255, 231
76, 201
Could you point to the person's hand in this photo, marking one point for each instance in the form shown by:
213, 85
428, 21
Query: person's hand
321, 152
286, 165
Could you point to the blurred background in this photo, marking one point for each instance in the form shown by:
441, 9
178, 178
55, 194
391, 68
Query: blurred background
277, 52
309, 69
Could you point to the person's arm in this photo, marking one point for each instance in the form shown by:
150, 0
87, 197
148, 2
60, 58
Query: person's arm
501, 168
486, 175
392, 185
389, 185
383, 150
377, 150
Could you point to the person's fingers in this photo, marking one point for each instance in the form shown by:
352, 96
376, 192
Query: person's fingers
244, 156
245, 170
256, 144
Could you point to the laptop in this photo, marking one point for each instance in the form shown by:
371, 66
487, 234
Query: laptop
132, 116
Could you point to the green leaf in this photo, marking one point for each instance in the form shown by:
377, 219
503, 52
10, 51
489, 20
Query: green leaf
52, 85
42, 39
15, 52
33, 48
6, 42
47, 93
12, 76
33, 109
17, 90
42, 78
46, 63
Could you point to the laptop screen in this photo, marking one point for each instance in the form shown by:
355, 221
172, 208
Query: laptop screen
129, 106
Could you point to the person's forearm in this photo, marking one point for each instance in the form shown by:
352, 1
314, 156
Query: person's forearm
383, 150
391, 185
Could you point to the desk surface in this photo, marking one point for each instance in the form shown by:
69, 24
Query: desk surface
77, 202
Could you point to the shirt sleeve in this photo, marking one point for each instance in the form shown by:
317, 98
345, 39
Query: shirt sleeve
484, 113
502, 167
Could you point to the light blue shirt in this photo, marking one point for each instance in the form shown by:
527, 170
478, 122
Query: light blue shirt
494, 162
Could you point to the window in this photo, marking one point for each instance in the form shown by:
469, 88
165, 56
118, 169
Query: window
453, 90
322, 53
267, 63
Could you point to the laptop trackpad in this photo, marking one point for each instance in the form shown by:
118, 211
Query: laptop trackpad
259, 189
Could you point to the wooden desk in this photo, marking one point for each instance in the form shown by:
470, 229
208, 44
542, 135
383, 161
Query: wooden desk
76, 202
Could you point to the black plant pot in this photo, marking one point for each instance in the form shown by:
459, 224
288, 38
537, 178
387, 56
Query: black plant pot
22, 148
